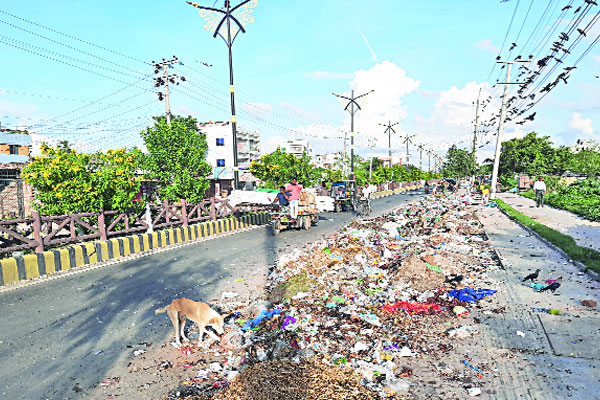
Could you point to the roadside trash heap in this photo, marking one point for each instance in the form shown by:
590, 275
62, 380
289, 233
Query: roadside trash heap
353, 316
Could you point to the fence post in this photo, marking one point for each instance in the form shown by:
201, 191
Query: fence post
102, 226
184, 215
148, 219
213, 211
166, 208
37, 231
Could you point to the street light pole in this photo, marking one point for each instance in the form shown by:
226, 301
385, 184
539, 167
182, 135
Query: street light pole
352, 104
227, 18
408, 140
420, 148
389, 129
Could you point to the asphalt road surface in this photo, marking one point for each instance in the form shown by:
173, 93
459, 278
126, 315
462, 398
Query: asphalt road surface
59, 338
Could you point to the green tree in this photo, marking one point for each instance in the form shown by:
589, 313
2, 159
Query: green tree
176, 159
68, 182
458, 163
278, 168
531, 155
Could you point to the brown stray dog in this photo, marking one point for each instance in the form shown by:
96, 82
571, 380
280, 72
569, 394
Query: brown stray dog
200, 313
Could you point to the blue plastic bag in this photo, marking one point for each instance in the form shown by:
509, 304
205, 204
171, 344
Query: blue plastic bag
469, 294
263, 314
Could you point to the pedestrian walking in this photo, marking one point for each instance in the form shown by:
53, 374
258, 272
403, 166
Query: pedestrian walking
539, 187
294, 188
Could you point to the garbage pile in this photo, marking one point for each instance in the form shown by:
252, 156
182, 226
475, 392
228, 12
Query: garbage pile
352, 315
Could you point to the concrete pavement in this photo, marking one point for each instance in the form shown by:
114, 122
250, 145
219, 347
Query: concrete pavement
558, 356
585, 233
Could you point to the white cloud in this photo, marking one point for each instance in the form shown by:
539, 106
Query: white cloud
487, 45
582, 125
373, 55
389, 84
596, 58
272, 143
329, 75
453, 114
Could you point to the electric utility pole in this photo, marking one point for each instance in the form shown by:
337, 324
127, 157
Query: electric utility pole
352, 104
164, 79
371, 144
476, 124
229, 38
501, 125
407, 140
389, 129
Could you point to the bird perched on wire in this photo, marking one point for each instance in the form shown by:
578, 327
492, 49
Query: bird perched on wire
512, 46
553, 286
581, 32
566, 8
532, 276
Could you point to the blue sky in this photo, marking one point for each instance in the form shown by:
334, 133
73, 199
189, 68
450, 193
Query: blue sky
425, 60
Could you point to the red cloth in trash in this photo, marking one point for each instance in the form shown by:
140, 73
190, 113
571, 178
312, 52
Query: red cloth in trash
412, 308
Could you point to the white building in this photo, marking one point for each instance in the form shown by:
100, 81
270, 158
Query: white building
220, 150
328, 161
297, 147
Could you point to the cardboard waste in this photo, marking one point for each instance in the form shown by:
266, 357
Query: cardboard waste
349, 315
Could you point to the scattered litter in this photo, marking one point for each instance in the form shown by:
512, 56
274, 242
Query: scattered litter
589, 303
462, 332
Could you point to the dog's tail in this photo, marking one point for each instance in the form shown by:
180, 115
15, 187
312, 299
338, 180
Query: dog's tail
160, 310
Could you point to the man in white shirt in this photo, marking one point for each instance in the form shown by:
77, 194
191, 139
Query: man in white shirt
539, 187
366, 193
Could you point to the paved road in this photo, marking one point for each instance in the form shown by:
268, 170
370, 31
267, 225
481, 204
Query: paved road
58, 339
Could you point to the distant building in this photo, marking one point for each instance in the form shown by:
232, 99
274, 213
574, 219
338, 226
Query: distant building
15, 196
327, 161
220, 151
297, 147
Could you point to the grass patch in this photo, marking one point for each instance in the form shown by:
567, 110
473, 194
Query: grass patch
589, 257
295, 284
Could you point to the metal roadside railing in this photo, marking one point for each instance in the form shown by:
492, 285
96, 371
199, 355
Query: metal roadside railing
41, 233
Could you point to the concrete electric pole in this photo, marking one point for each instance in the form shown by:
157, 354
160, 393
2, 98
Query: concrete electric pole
493, 185
164, 79
476, 124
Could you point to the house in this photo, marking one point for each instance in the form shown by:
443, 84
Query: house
15, 196
297, 147
220, 152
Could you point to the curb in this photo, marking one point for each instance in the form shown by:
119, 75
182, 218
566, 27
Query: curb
21, 268
386, 193
582, 267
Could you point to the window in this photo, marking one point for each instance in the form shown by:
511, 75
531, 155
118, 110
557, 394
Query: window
220, 162
220, 142
14, 149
